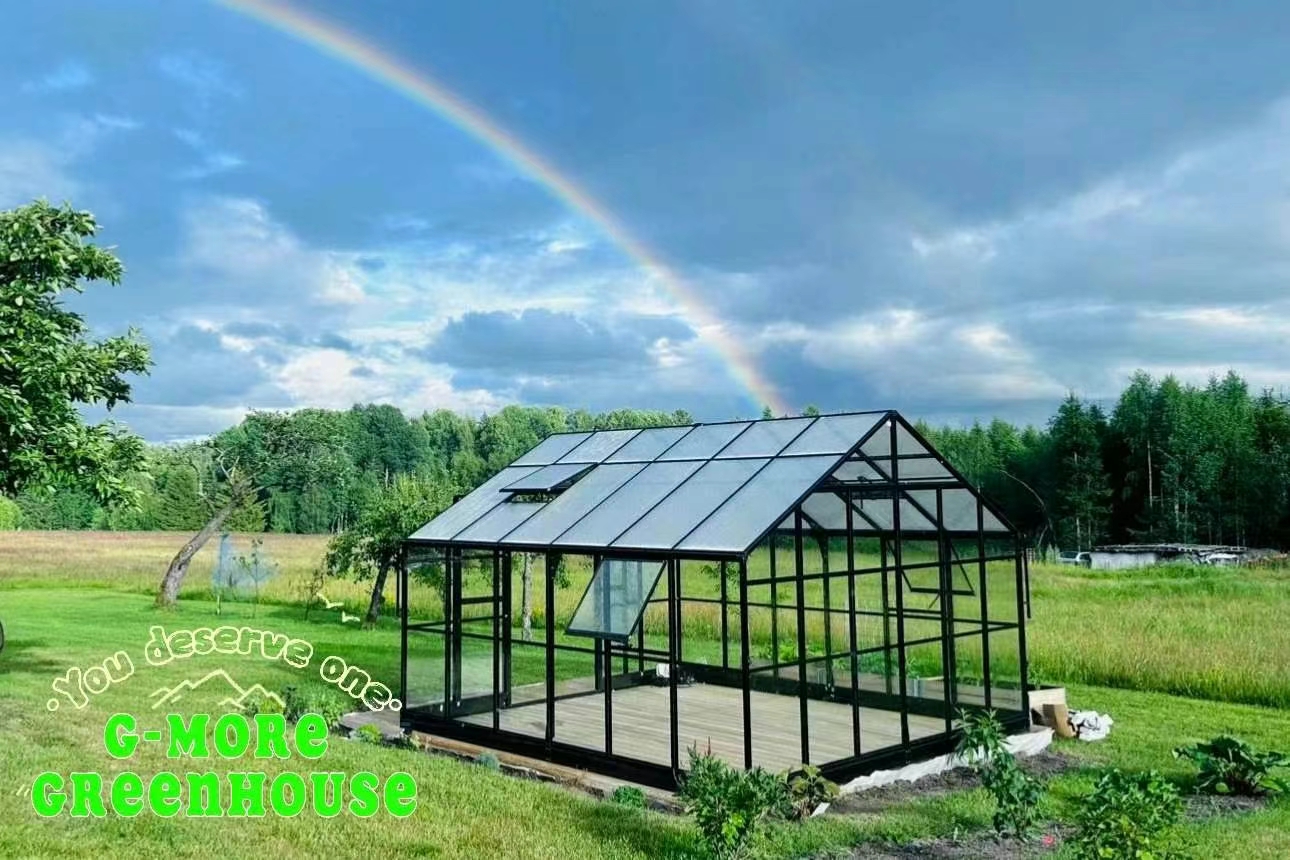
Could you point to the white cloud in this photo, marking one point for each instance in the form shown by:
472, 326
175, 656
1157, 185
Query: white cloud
29, 170
71, 75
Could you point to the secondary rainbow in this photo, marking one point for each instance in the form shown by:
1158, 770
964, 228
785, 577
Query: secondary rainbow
396, 74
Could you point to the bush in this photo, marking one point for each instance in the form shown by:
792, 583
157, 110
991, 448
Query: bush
1125, 817
262, 705
629, 796
488, 761
314, 700
1229, 765
809, 789
1016, 793
729, 806
369, 734
10, 514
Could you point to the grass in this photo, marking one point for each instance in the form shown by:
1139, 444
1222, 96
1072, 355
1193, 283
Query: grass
70, 599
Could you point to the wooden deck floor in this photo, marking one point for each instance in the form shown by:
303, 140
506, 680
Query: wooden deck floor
713, 715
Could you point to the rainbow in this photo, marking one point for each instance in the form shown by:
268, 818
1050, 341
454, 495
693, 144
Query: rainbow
398, 75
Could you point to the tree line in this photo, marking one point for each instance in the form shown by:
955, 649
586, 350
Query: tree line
1169, 462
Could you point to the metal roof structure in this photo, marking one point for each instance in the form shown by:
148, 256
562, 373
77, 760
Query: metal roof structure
716, 489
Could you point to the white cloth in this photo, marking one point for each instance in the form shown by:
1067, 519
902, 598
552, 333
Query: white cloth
1090, 725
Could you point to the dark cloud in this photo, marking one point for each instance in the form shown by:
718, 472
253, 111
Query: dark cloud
539, 341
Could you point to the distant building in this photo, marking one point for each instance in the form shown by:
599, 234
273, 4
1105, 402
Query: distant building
1127, 556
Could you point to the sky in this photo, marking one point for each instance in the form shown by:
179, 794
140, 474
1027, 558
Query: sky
961, 211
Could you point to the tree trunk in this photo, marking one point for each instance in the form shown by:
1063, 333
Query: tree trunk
378, 594
174, 578
526, 599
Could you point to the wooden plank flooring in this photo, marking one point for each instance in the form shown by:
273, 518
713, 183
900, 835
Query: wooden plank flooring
713, 715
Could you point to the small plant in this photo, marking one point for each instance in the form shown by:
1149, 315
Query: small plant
488, 761
729, 806
262, 705
369, 734
629, 796
1229, 765
327, 704
1016, 793
1125, 816
809, 789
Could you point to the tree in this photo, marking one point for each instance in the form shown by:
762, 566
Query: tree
49, 367
369, 548
1083, 493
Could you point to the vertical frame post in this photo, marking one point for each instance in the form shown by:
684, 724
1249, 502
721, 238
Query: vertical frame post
985, 599
898, 548
725, 619
550, 565
507, 627
828, 611
745, 662
1021, 629
851, 626
886, 616
801, 635
944, 554
774, 609
403, 627
497, 639
674, 658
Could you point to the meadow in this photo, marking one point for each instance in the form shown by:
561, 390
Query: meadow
1173, 654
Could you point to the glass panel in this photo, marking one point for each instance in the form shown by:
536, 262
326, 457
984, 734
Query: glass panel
648, 444
547, 478
703, 441
627, 505
613, 602
684, 509
833, 434
859, 470
425, 671
906, 443
879, 444
766, 438
551, 448
599, 446
756, 507
494, 525
567, 508
481, 500
826, 510
924, 469
1005, 670
958, 508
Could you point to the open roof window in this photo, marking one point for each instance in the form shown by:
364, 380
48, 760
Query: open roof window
614, 601
549, 479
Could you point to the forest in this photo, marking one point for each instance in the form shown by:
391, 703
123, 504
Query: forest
1168, 462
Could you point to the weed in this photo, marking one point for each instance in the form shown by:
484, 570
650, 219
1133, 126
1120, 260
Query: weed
1229, 765
1125, 817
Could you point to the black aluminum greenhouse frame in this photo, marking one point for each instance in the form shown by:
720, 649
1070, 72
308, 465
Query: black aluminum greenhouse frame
821, 590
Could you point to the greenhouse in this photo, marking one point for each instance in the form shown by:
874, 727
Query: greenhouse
821, 590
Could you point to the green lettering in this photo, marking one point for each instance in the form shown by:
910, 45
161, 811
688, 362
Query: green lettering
187, 739
328, 790
363, 800
203, 786
47, 796
164, 795
119, 736
311, 736
400, 795
287, 794
236, 724
271, 736
246, 795
87, 795
127, 794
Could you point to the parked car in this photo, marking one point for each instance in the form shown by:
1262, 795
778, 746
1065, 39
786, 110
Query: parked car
1082, 559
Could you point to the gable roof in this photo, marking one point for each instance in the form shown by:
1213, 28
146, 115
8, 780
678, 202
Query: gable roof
702, 488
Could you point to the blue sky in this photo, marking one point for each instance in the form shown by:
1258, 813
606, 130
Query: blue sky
957, 210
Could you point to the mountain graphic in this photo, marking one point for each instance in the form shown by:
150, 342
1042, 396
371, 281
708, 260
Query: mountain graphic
238, 698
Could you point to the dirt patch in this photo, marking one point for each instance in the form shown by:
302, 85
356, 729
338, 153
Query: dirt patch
1198, 807
1043, 766
963, 849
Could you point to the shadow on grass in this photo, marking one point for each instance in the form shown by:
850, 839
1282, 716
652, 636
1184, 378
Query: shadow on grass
17, 657
653, 834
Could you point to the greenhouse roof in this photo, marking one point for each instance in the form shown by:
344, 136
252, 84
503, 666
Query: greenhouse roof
712, 489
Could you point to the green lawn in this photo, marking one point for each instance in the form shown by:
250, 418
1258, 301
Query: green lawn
72, 600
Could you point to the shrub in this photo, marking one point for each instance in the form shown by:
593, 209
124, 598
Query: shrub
809, 789
369, 734
729, 806
262, 705
1229, 765
1125, 817
1016, 793
327, 704
629, 796
10, 514
488, 761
